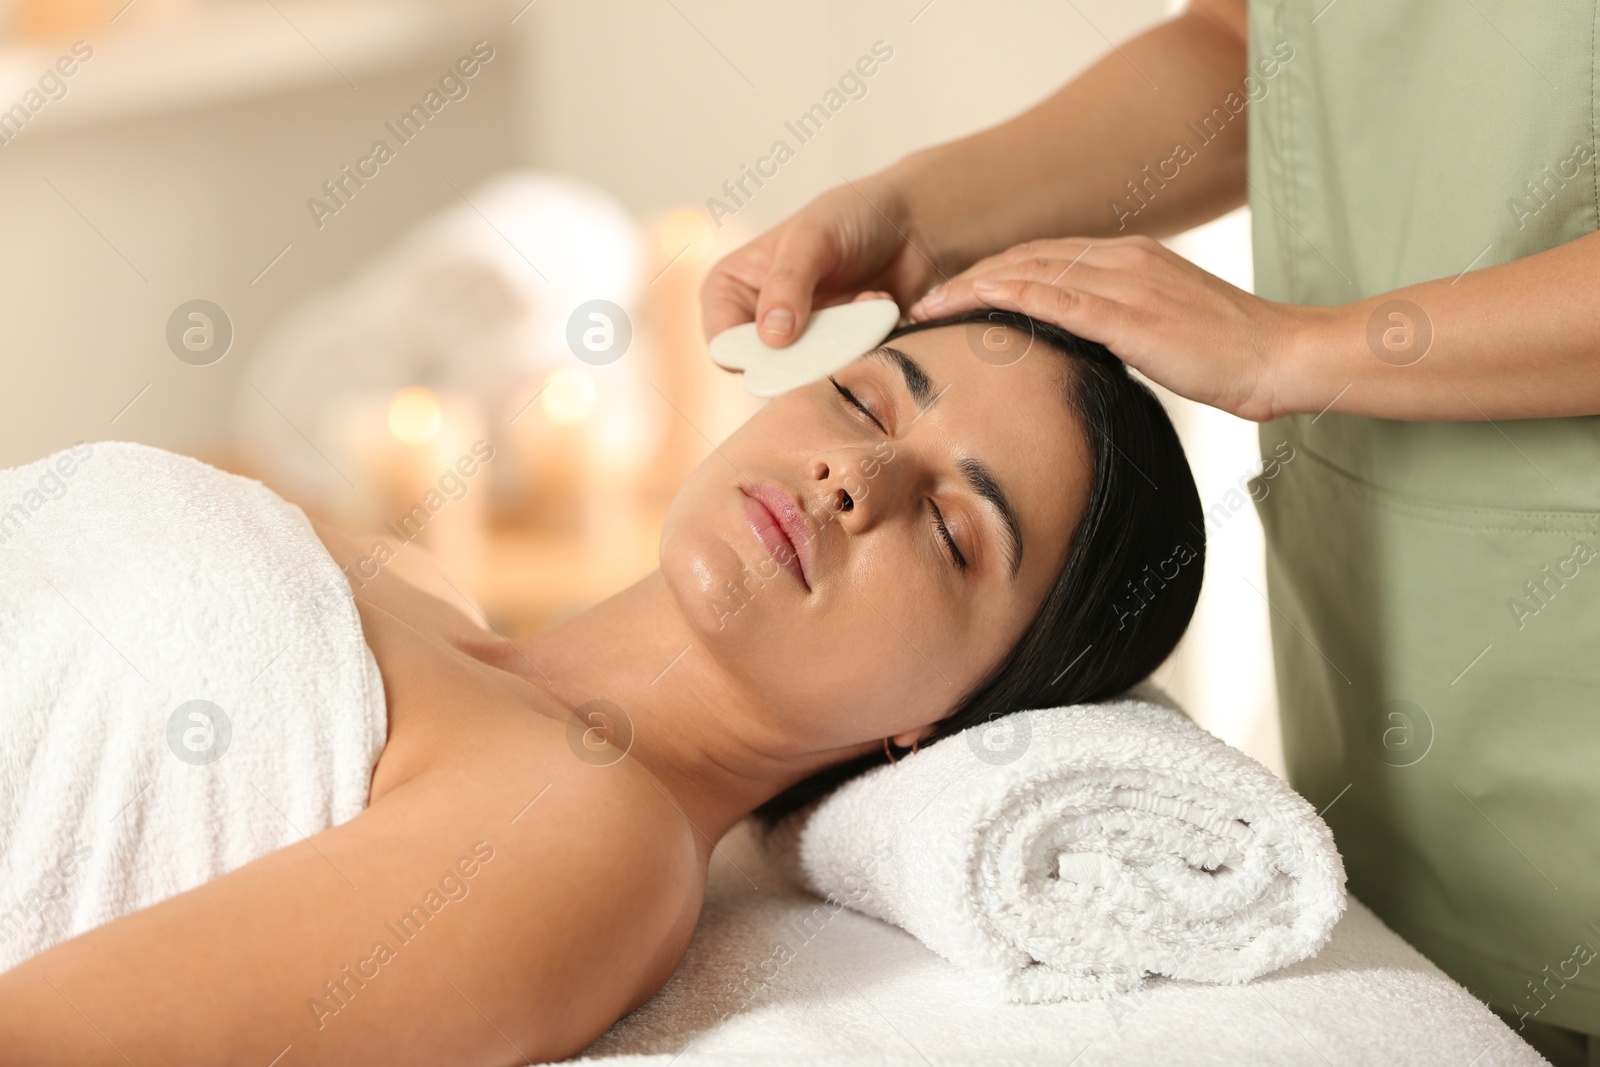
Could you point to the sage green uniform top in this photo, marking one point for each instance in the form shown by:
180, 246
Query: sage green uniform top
1435, 587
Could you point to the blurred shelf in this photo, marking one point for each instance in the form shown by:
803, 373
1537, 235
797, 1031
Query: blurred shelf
221, 52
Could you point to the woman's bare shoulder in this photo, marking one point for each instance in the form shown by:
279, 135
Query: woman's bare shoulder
602, 878
619, 868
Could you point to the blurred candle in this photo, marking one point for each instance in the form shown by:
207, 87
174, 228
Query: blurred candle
57, 20
620, 440
420, 456
707, 402
549, 425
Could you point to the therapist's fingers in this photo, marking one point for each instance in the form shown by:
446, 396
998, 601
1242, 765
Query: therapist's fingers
804, 255
1097, 265
1188, 330
728, 295
962, 294
1039, 263
1184, 328
770, 281
1089, 315
853, 237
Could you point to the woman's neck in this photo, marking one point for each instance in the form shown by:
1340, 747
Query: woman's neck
705, 738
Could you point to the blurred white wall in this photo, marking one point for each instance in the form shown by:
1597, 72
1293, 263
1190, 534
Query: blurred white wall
178, 165
662, 102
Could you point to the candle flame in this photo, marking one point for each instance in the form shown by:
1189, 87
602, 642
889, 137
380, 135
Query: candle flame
415, 416
569, 396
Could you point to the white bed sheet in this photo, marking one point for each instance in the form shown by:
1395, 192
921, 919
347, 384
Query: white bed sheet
774, 976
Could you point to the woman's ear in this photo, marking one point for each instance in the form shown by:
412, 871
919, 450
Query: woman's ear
908, 738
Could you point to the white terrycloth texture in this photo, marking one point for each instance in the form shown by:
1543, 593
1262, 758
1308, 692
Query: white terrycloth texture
775, 977
1123, 841
152, 580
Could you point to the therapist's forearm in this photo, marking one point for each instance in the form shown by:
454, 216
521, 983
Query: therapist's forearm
1056, 169
1515, 341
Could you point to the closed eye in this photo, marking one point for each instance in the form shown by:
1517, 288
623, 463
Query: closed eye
944, 535
856, 402
940, 527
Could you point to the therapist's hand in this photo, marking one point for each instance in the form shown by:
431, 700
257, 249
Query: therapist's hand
855, 237
1178, 325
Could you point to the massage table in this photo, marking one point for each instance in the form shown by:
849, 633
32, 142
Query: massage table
775, 975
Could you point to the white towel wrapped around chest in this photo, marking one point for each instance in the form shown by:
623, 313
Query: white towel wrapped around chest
184, 685
1068, 853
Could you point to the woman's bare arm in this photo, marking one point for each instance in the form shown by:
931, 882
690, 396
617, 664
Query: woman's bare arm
558, 930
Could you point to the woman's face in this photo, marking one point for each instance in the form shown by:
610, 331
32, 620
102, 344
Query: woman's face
873, 623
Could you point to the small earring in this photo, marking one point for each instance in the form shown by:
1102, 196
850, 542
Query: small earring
886, 751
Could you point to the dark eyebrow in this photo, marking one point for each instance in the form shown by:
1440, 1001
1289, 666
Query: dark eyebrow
918, 384
983, 483
978, 476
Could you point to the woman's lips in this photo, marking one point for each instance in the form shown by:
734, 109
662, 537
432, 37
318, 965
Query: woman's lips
780, 525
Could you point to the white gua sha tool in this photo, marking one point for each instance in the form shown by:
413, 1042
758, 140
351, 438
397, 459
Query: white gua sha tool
833, 337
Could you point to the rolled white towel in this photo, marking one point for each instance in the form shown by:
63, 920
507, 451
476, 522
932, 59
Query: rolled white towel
1068, 853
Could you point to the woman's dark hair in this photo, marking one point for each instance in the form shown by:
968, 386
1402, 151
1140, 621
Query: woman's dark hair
1132, 575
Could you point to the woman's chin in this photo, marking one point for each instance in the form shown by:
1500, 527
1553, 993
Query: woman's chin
711, 596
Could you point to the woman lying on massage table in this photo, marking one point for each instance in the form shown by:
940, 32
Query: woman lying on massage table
922, 541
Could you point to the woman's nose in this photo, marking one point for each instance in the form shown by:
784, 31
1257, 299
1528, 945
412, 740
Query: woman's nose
845, 494
829, 497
